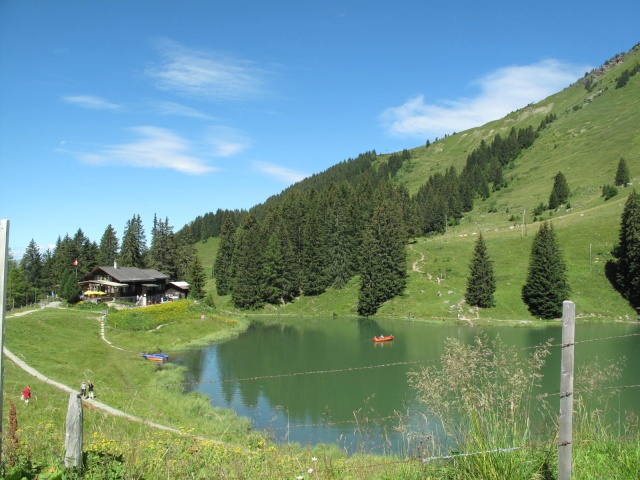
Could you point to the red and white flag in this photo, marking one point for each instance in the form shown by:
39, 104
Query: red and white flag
75, 262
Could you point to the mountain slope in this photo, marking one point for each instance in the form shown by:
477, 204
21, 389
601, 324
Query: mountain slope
593, 130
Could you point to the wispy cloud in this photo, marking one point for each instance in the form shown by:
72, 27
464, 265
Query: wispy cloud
285, 175
205, 74
156, 148
503, 91
227, 141
177, 109
92, 102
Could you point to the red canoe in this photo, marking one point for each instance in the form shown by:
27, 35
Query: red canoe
383, 338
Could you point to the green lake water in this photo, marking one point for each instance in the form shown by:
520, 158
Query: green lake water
313, 380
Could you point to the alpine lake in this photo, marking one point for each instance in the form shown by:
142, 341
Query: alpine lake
323, 380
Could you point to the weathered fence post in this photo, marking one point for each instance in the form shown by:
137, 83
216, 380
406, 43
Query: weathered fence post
566, 391
4, 269
73, 435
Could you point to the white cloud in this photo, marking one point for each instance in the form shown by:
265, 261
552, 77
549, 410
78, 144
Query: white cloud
501, 92
282, 174
157, 148
227, 141
172, 108
204, 74
92, 102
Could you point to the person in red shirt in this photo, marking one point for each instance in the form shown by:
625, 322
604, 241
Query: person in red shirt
26, 394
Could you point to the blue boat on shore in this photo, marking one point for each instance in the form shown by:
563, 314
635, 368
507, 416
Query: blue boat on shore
156, 357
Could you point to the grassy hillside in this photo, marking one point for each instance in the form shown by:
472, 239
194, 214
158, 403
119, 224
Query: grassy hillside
593, 130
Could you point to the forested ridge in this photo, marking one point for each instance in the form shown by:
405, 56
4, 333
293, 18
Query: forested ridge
355, 219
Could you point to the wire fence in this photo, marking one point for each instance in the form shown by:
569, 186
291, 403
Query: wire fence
397, 416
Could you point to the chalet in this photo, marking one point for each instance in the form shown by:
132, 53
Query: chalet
177, 289
143, 286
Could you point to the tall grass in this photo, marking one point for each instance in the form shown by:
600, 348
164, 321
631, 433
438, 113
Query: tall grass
482, 396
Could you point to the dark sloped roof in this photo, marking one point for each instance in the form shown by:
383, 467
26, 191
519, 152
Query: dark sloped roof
132, 274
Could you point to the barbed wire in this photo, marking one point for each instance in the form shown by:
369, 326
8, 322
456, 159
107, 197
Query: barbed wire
361, 368
585, 390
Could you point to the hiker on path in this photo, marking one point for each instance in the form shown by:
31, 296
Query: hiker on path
83, 390
90, 385
26, 394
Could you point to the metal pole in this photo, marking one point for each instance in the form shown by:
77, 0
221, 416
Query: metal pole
4, 267
565, 438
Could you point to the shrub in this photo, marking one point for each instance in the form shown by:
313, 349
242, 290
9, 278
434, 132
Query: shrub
609, 191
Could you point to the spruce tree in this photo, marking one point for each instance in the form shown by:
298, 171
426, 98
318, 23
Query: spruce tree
623, 177
627, 252
197, 278
314, 244
340, 237
273, 272
69, 287
371, 290
134, 244
546, 286
481, 283
383, 272
247, 284
223, 266
31, 265
560, 192
109, 246
163, 251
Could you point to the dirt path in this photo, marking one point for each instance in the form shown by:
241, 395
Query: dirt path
92, 403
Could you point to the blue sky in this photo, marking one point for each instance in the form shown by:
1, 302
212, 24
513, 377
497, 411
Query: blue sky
178, 108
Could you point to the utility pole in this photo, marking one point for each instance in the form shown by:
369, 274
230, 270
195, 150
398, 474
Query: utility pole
4, 267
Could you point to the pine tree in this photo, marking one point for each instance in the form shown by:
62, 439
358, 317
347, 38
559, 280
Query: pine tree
69, 287
315, 279
560, 192
546, 286
85, 252
627, 252
223, 266
273, 271
197, 278
134, 244
17, 289
31, 265
383, 269
371, 277
481, 283
109, 246
623, 177
340, 237
185, 253
248, 282
162, 254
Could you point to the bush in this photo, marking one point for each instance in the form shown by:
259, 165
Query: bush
609, 191
539, 210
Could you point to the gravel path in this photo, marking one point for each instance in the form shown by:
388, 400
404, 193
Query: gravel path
91, 402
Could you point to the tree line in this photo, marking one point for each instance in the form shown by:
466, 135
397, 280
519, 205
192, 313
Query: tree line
352, 220
56, 270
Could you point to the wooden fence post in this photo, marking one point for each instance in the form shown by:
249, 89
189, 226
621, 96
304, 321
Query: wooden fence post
4, 269
73, 435
566, 391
